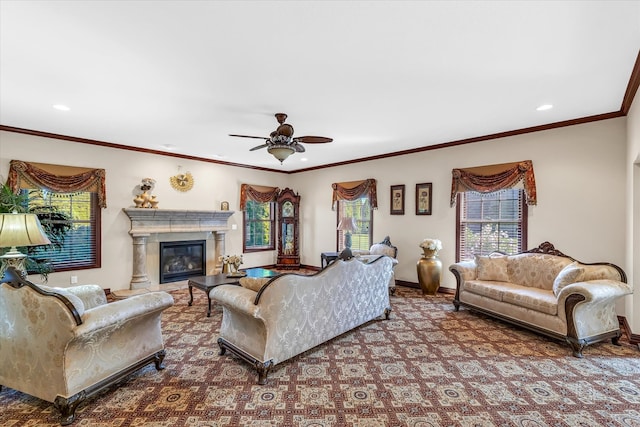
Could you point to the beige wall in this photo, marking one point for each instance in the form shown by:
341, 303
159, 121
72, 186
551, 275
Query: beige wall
580, 182
213, 184
633, 211
580, 176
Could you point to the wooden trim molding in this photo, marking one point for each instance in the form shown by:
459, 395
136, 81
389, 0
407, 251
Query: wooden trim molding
632, 87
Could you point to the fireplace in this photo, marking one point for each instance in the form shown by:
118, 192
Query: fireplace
181, 260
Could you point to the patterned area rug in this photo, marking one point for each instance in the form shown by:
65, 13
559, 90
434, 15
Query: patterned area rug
426, 366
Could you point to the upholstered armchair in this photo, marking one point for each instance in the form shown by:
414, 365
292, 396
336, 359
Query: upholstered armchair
383, 248
65, 345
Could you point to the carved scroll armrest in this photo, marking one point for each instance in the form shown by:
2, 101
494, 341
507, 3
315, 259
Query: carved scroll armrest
464, 270
122, 311
596, 291
236, 298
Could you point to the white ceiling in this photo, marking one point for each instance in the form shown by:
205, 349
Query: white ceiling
376, 76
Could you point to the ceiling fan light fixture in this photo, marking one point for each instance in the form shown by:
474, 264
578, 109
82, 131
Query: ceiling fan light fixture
281, 152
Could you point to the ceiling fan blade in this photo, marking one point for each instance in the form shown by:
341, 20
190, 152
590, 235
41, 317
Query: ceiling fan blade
249, 136
313, 139
299, 148
259, 147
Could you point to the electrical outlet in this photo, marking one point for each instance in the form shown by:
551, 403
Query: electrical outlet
234, 226
74, 280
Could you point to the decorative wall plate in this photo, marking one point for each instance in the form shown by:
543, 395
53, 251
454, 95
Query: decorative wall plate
182, 182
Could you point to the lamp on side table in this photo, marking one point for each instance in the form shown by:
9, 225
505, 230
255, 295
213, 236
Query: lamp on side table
16, 230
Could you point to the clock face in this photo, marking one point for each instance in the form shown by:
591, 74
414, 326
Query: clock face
287, 209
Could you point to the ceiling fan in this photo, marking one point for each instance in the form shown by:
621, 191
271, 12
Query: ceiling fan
281, 143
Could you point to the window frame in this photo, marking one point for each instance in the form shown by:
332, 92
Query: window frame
96, 228
272, 221
523, 221
339, 209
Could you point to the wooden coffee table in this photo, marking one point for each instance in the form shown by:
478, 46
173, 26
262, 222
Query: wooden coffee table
206, 283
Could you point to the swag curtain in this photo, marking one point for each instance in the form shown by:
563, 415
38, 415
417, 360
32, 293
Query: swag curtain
57, 178
257, 193
487, 179
353, 190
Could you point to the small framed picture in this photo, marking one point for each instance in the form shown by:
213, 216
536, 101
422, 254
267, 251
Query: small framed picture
397, 200
423, 199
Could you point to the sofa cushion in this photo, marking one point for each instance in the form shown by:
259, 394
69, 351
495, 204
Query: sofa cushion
487, 289
381, 249
533, 298
572, 273
253, 283
76, 301
600, 272
536, 270
492, 268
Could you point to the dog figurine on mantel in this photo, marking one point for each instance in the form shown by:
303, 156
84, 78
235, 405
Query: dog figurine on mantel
145, 200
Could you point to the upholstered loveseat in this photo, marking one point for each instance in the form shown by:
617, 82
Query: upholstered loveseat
64, 345
546, 291
267, 322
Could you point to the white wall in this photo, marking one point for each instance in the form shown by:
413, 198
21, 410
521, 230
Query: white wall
580, 182
124, 170
633, 211
580, 174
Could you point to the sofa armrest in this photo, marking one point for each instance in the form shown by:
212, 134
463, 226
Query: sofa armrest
594, 291
589, 307
121, 311
236, 298
464, 270
91, 295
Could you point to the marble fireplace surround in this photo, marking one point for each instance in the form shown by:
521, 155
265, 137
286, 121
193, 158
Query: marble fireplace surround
146, 222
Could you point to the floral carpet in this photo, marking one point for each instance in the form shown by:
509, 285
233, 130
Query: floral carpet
426, 366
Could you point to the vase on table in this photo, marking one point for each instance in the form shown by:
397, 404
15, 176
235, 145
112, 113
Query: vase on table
429, 271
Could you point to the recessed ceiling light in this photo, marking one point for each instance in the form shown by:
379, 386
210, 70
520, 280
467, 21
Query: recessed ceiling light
303, 159
169, 147
544, 107
61, 107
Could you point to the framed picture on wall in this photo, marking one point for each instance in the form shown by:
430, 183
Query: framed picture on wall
423, 199
397, 200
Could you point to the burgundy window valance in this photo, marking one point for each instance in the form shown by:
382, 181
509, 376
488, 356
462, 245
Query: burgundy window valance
257, 193
487, 179
353, 190
57, 179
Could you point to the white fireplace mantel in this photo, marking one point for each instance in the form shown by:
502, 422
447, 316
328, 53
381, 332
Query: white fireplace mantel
145, 222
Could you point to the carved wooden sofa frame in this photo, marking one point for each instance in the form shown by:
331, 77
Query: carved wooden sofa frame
577, 343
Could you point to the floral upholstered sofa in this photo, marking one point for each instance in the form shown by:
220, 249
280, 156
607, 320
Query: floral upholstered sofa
546, 291
267, 321
64, 345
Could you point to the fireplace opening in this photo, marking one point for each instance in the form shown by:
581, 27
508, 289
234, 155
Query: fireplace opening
181, 260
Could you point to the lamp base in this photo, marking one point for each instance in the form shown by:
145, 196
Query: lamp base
347, 240
14, 259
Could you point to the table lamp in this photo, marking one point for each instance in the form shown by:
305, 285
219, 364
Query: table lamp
347, 225
19, 229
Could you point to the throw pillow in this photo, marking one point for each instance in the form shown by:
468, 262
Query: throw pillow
253, 283
571, 273
382, 249
492, 268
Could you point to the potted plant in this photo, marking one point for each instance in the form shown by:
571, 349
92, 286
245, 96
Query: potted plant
54, 223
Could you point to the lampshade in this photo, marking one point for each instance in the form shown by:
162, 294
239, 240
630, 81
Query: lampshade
347, 224
19, 229
280, 152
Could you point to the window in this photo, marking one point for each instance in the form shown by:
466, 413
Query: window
74, 216
491, 222
259, 226
360, 211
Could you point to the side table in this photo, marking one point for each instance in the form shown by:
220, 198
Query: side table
326, 258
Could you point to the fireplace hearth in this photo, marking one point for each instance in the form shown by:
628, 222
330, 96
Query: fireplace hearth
181, 260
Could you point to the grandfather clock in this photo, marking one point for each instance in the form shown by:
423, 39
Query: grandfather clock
288, 229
